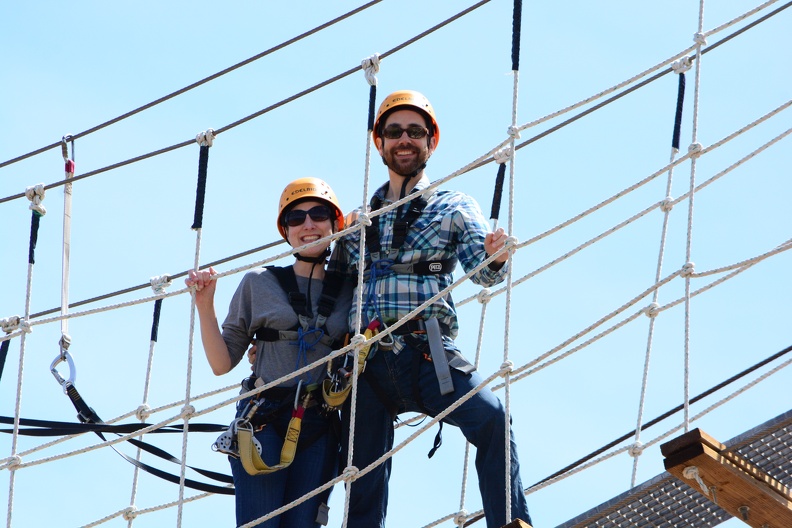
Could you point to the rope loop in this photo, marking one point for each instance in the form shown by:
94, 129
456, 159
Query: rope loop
511, 241
652, 310
688, 269
682, 65
364, 218
503, 155
130, 513
692, 473
9, 324
159, 283
505, 368
370, 66
349, 474
461, 517
667, 204
513, 132
143, 412
484, 295
35, 194
700, 39
695, 150
636, 449
187, 411
205, 139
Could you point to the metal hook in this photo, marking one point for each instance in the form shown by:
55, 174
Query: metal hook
65, 383
297, 394
64, 149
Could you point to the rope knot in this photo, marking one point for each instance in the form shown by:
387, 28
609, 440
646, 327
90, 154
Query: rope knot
25, 326
695, 150
506, 368
9, 324
636, 449
187, 411
692, 473
688, 269
513, 132
511, 241
205, 139
700, 39
143, 412
349, 474
503, 155
357, 340
130, 513
35, 194
13, 462
460, 517
652, 310
682, 65
370, 66
363, 218
667, 204
159, 283
484, 295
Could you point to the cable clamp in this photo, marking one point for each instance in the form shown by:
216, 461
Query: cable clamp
205, 139
682, 65
370, 66
503, 155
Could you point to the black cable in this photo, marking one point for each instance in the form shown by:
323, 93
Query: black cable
498, 194
198, 83
251, 116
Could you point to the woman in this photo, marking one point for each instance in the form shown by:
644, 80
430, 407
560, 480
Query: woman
294, 317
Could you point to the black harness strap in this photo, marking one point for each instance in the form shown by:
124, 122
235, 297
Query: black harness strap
331, 287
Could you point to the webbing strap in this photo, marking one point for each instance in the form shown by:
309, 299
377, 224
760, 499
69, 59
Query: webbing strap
249, 455
439, 359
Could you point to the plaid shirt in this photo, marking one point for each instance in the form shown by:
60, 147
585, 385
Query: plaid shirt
451, 225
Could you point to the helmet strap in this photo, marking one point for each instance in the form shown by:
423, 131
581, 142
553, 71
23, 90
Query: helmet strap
314, 260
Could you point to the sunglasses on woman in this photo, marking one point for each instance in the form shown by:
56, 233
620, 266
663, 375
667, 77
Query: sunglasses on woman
296, 217
395, 132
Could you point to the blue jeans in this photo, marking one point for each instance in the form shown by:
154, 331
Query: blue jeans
313, 466
481, 419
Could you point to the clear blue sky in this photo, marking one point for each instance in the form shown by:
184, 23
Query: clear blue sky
68, 67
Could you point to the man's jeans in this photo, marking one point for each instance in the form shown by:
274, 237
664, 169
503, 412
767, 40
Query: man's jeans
481, 419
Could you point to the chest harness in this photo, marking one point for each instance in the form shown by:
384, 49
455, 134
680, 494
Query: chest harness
380, 265
239, 440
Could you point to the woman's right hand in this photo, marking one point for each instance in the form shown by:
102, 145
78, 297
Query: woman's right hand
204, 285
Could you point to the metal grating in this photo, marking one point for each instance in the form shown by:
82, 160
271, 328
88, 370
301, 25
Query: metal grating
665, 502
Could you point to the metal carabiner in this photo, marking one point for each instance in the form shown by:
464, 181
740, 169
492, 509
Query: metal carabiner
65, 383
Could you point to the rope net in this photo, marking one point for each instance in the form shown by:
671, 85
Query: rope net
162, 387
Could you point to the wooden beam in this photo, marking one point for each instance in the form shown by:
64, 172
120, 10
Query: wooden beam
730, 481
517, 523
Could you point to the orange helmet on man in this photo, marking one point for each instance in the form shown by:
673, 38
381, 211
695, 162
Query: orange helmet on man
407, 100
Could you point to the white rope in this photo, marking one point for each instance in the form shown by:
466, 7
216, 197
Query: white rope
370, 67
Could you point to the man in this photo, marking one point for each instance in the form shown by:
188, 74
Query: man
410, 255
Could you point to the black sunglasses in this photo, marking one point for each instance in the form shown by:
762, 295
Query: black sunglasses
395, 132
296, 217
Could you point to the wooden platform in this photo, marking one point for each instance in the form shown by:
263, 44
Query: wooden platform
728, 480
668, 502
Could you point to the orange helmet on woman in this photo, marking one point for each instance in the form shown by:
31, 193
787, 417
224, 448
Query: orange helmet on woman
409, 100
308, 189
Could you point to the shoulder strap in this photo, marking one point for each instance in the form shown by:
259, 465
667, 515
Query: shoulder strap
288, 282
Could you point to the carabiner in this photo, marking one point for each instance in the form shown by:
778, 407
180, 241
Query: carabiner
65, 383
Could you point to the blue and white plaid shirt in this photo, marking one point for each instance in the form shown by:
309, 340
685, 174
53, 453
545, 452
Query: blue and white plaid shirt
450, 226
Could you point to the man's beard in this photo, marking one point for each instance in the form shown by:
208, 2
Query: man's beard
409, 168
